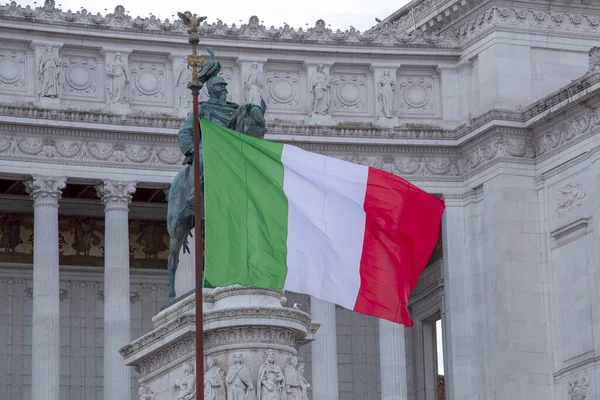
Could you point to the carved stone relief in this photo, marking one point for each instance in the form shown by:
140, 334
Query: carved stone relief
571, 198
145, 394
578, 389
49, 69
594, 61
239, 381
186, 386
12, 69
183, 96
386, 96
567, 131
80, 77
349, 92
117, 80
296, 386
148, 81
254, 84
319, 92
214, 381
271, 383
283, 89
416, 95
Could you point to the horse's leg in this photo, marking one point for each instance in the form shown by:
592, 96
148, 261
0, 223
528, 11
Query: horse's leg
175, 243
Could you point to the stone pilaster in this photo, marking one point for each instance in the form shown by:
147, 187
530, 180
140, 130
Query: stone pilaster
116, 197
45, 347
324, 351
392, 361
449, 80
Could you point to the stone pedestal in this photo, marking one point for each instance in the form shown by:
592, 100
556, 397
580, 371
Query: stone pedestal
250, 343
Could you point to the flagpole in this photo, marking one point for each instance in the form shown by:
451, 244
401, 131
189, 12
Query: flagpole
194, 62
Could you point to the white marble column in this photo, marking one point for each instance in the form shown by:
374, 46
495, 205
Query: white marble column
45, 347
392, 361
117, 376
324, 351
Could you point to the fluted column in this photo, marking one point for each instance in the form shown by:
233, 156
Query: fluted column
117, 376
324, 351
392, 361
45, 346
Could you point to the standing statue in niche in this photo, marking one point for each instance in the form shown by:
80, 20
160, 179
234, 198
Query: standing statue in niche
118, 81
386, 96
271, 383
214, 381
294, 381
318, 99
239, 383
48, 73
184, 99
186, 385
254, 85
247, 118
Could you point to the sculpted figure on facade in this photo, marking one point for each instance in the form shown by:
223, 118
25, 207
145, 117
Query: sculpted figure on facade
186, 386
318, 101
386, 96
295, 384
578, 389
239, 384
183, 94
145, 393
48, 73
271, 383
254, 85
214, 381
118, 81
594, 60
305, 384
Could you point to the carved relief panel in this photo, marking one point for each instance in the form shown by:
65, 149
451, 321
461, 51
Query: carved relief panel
283, 88
147, 81
349, 94
12, 70
80, 77
418, 93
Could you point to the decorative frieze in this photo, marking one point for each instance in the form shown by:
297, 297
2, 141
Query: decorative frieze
570, 130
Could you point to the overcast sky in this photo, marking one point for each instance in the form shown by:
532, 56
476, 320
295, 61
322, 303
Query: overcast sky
339, 13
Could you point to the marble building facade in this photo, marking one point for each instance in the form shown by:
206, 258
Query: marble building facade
493, 105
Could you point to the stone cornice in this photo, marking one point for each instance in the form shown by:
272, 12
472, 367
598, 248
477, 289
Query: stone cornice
522, 18
253, 31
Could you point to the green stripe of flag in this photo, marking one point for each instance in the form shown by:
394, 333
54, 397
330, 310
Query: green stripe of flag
246, 209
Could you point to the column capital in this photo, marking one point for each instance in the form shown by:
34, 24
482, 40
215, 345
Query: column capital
115, 195
45, 190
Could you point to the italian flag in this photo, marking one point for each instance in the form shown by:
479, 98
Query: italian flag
280, 217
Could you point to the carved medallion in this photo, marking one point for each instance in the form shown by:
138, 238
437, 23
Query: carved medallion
416, 95
80, 76
148, 81
283, 89
12, 69
349, 92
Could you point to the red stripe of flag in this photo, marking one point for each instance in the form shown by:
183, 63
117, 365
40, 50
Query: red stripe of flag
402, 228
